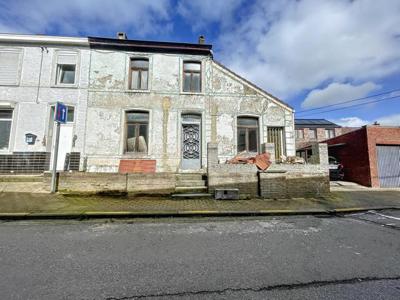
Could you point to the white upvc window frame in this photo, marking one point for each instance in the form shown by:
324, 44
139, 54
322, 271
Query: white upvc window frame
7, 149
57, 68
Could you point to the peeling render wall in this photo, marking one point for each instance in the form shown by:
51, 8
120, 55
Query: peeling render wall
224, 96
31, 101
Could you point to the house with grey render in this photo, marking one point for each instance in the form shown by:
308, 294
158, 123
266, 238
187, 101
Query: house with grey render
133, 106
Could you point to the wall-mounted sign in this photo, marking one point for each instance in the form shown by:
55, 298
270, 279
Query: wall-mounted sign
61, 113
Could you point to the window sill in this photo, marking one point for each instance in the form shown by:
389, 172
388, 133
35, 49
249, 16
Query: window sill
135, 155
13, 85
137, 91
193, 93
5, 152
65, 86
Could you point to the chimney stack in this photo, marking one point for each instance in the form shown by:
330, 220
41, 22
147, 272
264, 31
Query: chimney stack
202, 40
121, 35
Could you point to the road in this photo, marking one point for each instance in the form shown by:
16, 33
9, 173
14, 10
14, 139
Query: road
302, 257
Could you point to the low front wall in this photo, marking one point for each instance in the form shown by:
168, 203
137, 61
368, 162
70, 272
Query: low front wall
242, 177
83, 182
279, 181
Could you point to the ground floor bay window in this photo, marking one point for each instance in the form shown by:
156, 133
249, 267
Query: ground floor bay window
5, 127
247, 134
137, 124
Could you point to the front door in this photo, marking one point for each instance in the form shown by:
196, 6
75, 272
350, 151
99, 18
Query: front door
66, 138
191, 142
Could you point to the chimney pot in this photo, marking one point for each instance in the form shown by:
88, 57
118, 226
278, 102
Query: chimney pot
121, 35
202, 39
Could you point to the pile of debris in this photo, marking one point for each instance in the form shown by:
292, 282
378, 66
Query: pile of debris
292, 160
262, 161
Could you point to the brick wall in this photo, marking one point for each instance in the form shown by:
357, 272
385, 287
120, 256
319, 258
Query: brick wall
379, 135
242, 177
307, 141
137, 166
353, 155
280, 180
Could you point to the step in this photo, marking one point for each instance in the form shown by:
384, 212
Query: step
190, 189
191, 195
189, 176
187, 183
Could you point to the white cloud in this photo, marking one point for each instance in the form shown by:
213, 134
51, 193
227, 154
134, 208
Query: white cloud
337, 92
200, 13
91, 17
351, 122
288, 46
390, 120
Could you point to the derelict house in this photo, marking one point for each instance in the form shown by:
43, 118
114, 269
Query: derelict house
133, 106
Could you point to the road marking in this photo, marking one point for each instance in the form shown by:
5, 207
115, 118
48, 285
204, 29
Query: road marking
382, 215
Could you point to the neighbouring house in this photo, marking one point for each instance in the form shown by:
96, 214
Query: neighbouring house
133, 106
36, 71
370, 155
310, 131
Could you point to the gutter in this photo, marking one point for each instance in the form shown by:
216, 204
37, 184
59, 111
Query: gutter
43, 40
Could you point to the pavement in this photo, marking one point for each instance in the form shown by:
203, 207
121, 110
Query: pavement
41, 205
354, 256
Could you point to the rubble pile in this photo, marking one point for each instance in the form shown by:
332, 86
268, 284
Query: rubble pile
262, 161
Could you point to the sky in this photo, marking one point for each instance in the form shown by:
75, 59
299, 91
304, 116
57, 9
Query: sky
311, 54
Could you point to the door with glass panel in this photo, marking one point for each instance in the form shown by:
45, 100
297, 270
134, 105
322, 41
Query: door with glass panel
191, 142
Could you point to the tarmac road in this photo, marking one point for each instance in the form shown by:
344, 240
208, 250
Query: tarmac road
299, 257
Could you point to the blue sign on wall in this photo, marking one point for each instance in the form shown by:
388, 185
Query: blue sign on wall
61, 113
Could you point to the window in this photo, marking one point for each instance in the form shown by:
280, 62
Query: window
66, 74
299, 134
247, 134
329, 133
137, 124
10, 61
5, 127
139, 74
66, 68
312, 133
192, 77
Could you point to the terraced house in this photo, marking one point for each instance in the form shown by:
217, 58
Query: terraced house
133, 106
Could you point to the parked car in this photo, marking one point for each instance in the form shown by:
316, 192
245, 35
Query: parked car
336, 169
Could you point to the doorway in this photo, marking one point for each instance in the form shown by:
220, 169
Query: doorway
191, 142
66, 137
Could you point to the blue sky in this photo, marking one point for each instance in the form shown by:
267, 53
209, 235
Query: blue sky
309, 53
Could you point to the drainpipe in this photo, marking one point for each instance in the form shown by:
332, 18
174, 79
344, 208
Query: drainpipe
40, 72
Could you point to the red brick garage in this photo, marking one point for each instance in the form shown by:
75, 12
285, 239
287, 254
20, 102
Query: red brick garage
370, 155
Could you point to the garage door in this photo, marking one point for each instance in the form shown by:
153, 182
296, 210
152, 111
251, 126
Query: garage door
389, 166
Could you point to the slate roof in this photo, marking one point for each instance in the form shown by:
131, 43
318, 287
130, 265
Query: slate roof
314, 123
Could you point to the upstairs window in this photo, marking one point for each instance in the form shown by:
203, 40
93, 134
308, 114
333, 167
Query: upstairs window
192, 77
10, 61
312, 134
329, 133
247, 134
5, 127
66, 68
137, 123
139, 74
299, 134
